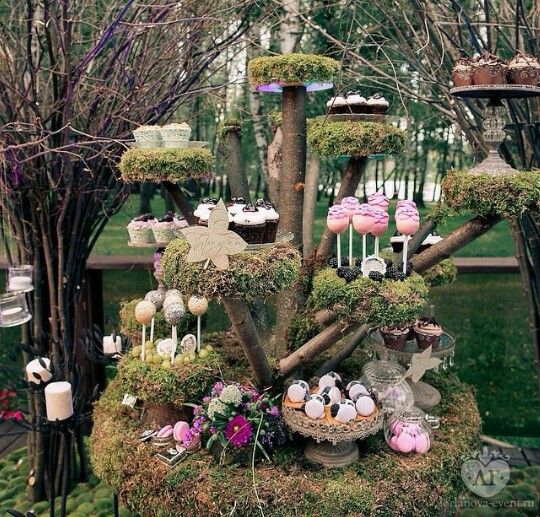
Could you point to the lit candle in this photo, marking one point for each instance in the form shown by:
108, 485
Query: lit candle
35, 366
58, 401
112, 345
19, 283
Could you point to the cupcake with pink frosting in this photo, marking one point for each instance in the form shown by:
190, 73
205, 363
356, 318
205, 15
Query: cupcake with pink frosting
378, 200
140, 229
337, 219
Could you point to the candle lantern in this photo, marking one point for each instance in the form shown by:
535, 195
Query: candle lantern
20, 278
112, 345
58, 401
13, 309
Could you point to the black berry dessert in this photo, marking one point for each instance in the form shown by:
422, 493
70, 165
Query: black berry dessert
356, 103
202, 212
395, 337
337, 105
250, 224
489, 69
428, 332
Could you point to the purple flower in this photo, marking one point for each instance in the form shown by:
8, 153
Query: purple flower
274, 411
238, 431
218, 387
206, 399
197, 410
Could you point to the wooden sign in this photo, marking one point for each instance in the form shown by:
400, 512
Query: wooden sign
420, 363
215, 243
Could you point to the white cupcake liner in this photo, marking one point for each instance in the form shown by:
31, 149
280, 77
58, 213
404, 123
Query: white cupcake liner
147, 138
163, 234
141, 235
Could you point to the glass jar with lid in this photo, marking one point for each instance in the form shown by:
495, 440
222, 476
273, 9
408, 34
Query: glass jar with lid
407, 431
13, 309
386, 381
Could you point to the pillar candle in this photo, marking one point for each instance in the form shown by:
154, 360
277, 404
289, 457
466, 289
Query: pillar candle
19, 283
34, 366
58, 401
112, 345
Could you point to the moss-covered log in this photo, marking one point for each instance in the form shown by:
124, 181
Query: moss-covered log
506, 195
251, 275
165, 164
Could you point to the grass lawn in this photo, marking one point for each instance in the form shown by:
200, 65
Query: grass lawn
487, 314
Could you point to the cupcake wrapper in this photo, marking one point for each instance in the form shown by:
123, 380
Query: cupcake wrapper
141, 235
527, 75
425, 340
163, 234
394, 342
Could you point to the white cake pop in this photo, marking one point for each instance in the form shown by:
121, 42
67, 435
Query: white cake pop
314, 407
156, 297
329, 379
355, 389
197, 305
330, 394
298, 391
344, 411
174, 313
365, 405
144, 312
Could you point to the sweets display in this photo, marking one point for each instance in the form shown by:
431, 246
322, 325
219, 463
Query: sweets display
355, 103
488, 69
169, 135
425, 331
146, 229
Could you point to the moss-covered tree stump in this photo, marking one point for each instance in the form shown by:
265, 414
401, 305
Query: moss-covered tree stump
363, 300
506, 195
166, 164
354, 138
251, 274
380, 483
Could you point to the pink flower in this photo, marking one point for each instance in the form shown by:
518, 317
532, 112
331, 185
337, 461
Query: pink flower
238, 431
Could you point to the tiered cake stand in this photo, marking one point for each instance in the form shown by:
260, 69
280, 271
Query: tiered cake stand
493, 125
425, 395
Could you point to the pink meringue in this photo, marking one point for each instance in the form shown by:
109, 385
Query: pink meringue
337, 220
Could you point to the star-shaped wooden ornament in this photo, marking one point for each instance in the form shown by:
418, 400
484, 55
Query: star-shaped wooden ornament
216, 242
420, 363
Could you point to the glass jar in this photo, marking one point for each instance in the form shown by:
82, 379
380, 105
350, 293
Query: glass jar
385, 379
13, 309
20, 279
408, 431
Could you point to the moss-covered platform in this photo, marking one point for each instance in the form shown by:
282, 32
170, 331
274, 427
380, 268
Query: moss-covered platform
166, 164
292, 69
380, 483
354, 138
364, 300
251, 275
505, 194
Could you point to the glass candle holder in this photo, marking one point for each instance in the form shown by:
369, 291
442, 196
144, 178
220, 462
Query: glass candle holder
20, 279
385, 379
13, 309
408, 431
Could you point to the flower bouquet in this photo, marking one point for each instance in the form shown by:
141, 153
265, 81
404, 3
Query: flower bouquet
240, 423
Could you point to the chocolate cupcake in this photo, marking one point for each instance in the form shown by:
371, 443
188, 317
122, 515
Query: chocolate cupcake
272, 220
395, 337
377, 104
396, 241
462, 73
250, 224
356, 103
337, 105
524, 69
489, 69
428, 332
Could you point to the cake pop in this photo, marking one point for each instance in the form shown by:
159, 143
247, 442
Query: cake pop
350, 204
344, 411
363, 220
144, 312
314, 407
365, 405
337, 222
407, 223
355, 389
198, 305
380, 225
378, 200
173, 315
157, 298
298, 391
329, 379
330, 394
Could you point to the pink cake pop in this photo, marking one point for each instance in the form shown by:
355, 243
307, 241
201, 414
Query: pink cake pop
363, 219
350, 204
407, 223
380, 225
405, 202
378, 200
337, 222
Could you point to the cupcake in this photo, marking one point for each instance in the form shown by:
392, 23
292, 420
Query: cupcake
148, 136
430, 240
250, 224
428, 332
395, 337
179, 222
377, 104
356, 103
272, 220
203, 216
140, 229
396, 241
164, 229
337, 105
462, 73
175, 135
236, 204
206, 205
489, 69
524, 69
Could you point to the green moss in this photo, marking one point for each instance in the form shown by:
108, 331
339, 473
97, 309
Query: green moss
230, 124
165, 164
292, 69
182, 383
354, 138
443, 273
506, 194
251, 275
302, 329
366, 301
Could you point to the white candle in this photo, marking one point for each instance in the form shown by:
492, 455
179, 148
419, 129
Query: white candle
19, 283
112, 345
58, 401
34, 367
12, 311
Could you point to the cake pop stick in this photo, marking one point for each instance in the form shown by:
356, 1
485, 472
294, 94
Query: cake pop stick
155, 297
350, 204
173, 315
380, 225
407, 223
144, 313
362, 222
337, 222
198, 305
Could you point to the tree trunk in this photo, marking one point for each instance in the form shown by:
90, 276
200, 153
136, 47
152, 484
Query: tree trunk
181, 201
349, 183
310, 201
275, 151
233, 165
